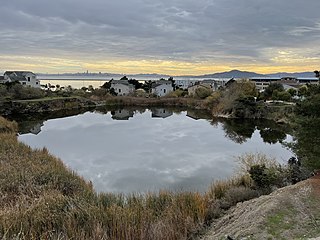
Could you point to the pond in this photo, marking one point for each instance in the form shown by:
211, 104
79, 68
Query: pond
129, 150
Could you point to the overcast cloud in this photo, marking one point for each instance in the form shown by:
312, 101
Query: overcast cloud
224, 31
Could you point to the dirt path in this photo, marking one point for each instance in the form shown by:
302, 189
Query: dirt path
292, 212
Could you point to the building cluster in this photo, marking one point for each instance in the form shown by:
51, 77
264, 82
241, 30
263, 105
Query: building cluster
125, 114
288, 82
163, 87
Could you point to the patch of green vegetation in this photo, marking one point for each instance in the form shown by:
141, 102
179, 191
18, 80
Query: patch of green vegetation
280, 221
307, 122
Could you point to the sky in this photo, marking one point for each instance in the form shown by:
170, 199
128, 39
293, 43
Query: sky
174, 37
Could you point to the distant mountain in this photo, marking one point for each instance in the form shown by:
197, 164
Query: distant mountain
148, 76
141, 76
296, 74
156, 76
231, 74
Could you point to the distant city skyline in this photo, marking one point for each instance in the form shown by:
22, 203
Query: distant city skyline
172, 37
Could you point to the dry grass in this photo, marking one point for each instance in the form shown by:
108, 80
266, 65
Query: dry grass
41, 199
249, 159
7, 127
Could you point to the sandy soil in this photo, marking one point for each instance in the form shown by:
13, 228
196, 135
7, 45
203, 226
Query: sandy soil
292, 212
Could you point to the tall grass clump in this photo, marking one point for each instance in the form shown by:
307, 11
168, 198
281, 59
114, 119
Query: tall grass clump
7, 126
265, 172
41, 199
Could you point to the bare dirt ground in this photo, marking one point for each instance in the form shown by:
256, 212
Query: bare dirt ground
292, 212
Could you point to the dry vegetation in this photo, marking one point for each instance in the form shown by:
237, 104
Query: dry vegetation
288, 213
41, 199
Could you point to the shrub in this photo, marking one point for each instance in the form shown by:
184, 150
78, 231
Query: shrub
261, 176
283, 95
265, 172
177, 93
21, 92
203, 92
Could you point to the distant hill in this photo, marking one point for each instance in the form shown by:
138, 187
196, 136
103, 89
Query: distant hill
152, 76
296, 74
231, 74
156, 76
148, 76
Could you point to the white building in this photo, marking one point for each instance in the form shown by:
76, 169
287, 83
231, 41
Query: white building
263, 82
122, 87
184, 84
161, 113
24, 77
122, 114
161, 88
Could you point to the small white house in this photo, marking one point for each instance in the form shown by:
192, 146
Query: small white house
122, 87
24, 77
122, 114
161, 88
184, 84
161, 113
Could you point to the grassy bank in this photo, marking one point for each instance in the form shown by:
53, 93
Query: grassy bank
68, 103
41, 199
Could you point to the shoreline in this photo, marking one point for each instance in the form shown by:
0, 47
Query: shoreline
278, 113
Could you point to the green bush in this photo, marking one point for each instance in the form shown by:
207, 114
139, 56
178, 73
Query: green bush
261, 177
177, 93
203, 92
269, 91
19, 92
283, 95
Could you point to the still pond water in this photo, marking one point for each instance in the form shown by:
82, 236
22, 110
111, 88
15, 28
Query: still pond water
151, 149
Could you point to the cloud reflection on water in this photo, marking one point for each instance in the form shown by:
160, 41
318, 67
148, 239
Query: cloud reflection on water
147, 154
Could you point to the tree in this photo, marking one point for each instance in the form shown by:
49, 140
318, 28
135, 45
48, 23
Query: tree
282, 95
90, 88
147, 86
124, 78
238, 90
107, 85
303, 90
292, 92
113, 92
172, 82
136, 83
268, 92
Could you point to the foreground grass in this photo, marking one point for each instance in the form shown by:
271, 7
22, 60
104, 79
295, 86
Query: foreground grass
41, 199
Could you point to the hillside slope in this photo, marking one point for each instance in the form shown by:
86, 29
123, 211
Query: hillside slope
291, 212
